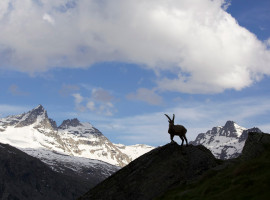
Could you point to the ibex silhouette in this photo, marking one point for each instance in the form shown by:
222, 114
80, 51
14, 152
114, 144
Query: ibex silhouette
177, 130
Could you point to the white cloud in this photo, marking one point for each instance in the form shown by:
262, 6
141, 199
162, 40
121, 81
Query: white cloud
48, 18
202, 45
267, 42
146, 95
100, 102
78, 98
226, 4
91, 105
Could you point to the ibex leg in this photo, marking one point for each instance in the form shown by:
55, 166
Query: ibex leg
182, 139
186, 140
172, 137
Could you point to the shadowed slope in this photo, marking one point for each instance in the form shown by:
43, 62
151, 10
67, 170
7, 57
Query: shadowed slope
25, 177
175, 172
248, 177
154, 173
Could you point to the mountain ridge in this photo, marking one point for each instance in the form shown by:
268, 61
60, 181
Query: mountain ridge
75, 148
226, 141
72, 137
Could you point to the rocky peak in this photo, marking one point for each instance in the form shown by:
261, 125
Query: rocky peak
39, 110
229, 125
229, 129
53, 124
70, 123
32, 116
256, 143
225, 141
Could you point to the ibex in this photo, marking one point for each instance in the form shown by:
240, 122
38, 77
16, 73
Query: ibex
177, 130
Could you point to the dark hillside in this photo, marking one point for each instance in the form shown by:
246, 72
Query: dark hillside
175, 172
23, 177
247, 178
154, 173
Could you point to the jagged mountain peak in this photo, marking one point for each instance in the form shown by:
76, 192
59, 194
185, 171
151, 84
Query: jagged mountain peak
230, 123
70, 123
39, 110
38, 114
225, 141
39, 107
232, 129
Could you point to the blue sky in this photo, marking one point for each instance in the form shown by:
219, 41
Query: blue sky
122, 66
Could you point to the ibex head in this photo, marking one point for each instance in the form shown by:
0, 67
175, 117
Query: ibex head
171, 121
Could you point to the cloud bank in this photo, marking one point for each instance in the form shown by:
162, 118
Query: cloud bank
196, 43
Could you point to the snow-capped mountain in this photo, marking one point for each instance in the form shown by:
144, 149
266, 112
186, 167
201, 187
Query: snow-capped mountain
73, 145
134, 151
226, 141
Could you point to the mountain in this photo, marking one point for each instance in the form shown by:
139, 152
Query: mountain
191, 172
34, 129
37, 135
25, 177
226, 141
74, 148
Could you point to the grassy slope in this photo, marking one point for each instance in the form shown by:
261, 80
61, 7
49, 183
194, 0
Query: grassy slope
244, 180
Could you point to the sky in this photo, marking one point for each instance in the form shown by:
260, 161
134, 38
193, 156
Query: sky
121, 65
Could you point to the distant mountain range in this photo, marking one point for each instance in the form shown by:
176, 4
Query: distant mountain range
73, 147
226, 141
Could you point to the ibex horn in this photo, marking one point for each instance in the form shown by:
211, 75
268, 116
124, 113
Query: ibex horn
168, 117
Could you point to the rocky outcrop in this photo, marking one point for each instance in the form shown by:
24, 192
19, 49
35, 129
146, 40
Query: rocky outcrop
255, 145
70, 123
154, 173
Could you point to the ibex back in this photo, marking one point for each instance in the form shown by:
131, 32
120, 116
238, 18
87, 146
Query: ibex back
177, 130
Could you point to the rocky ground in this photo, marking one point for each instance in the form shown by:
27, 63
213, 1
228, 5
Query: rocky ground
155, 172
